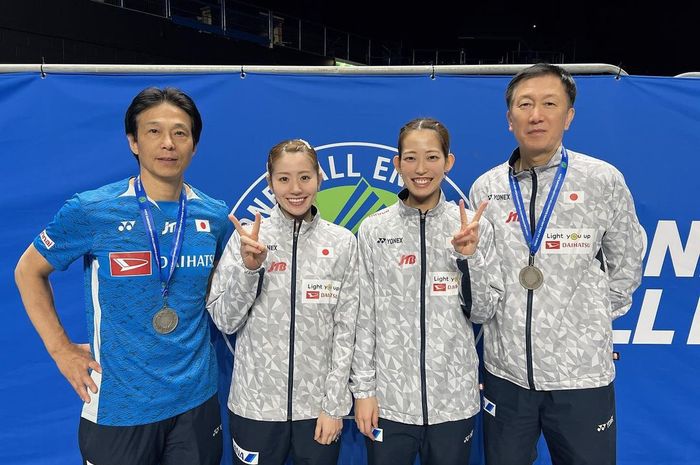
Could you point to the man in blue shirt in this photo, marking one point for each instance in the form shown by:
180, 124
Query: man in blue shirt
148, 377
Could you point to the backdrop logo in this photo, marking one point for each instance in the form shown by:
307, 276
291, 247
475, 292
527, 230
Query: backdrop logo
359, 179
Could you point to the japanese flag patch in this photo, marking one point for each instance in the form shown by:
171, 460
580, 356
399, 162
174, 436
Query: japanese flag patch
202, 225
573, 197
325, 252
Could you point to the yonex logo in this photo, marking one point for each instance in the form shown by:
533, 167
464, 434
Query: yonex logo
277, 266
130, 263
606, 425
469, 436
390, 240
126, 226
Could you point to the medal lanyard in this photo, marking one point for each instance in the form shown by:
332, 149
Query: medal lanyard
535, 242
147, 217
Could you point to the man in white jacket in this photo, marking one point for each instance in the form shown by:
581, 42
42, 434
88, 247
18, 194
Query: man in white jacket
571, 249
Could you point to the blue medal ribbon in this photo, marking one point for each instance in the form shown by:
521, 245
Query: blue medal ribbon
147, 216
535, 242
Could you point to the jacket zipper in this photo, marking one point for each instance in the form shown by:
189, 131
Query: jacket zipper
290, 377
530, 292
423, 262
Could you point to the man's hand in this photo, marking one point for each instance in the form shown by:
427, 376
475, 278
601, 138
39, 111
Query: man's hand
75, 361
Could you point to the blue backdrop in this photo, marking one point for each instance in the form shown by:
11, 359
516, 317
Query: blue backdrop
64, 134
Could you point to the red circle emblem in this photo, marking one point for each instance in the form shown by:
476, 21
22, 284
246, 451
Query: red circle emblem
573, 196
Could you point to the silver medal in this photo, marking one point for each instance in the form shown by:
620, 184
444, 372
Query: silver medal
531, 277
165, 321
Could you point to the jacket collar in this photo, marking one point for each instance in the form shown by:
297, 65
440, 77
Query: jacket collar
405, 210
278, 217
130, 191
552, 163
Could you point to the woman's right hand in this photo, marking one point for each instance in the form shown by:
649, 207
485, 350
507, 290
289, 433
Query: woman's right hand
367, 415
253, 252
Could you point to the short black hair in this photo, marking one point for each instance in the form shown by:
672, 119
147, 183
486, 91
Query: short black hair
543, 69
153, 96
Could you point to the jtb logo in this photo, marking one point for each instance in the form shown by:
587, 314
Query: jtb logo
169, 227
512, 216
407, 260
277, 266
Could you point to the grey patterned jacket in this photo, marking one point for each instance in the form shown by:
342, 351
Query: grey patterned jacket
560, 335
414, 347
293, 355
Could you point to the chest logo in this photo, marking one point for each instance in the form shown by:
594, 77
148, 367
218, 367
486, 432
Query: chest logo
130, 264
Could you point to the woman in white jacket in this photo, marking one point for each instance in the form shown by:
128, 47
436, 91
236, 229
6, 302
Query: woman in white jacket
425, 271
288, 287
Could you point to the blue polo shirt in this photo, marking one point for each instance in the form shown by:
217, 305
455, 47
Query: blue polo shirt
146, 376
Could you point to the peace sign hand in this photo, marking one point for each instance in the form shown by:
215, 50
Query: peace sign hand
253, 252
466, 240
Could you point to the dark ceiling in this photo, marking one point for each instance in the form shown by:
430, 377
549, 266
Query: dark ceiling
658, 40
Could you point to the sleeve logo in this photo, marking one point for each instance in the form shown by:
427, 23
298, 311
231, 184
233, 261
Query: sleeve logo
46, 240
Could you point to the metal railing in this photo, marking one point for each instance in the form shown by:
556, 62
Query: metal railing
243, 21
272, 29
431, 71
